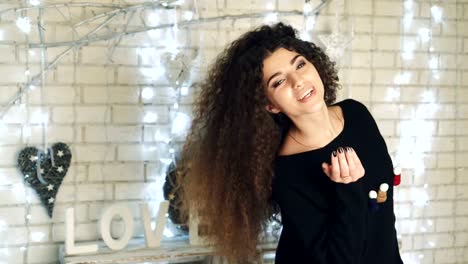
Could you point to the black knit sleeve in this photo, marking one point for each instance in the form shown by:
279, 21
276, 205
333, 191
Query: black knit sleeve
328, 235
372, 132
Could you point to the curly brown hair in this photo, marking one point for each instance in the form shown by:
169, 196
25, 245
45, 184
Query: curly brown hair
227, 163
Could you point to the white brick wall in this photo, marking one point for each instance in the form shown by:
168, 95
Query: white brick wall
117, 137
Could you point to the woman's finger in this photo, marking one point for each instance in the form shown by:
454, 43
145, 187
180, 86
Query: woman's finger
351, 164
335, 167
326, 169
344, 169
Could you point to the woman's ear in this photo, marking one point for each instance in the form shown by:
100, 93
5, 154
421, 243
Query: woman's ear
272, 109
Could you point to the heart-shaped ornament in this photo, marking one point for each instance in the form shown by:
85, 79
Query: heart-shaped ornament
45, 170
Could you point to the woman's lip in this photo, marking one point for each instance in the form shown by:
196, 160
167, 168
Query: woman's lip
312, 93
310, 90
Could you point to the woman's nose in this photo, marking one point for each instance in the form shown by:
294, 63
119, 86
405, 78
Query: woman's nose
298, 81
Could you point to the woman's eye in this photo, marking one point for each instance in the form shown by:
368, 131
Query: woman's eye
301, 64
278, 83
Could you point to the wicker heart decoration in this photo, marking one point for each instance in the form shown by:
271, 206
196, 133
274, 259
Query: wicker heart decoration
44, 171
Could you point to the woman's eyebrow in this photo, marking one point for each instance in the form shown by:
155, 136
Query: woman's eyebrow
277, 73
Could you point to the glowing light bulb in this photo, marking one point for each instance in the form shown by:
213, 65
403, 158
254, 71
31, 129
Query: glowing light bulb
153, 19
407, 20
408, 5
150, 117
392, 94
310, 23
37, 236
180, 124
167, 232
147, 93
188, 15
402, 78
152, 73
436, 13
307, 8
271, 18
34, 2
408, 50
184, 90
424, 34
24, 24
434, 63
428, 96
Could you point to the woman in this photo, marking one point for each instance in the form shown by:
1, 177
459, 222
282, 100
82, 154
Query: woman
266, 132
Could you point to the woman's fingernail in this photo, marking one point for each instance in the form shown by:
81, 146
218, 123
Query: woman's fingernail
348, 149
334, 153
340, 150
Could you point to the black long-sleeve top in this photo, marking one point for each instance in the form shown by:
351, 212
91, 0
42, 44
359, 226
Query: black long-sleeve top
332, 223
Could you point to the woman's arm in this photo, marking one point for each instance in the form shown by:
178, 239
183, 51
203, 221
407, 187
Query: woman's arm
329, 237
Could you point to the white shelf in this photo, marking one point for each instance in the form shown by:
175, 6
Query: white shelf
176, 250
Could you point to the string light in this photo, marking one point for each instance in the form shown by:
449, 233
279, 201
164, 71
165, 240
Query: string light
408, 50
188, 15
24, 24
402, 78
436, 14
34, 2
147, 93
407, 20
393, 94
307, 8
408, 4
180, 124
153, 19
271, 18
184, 90
433, 63
150, 117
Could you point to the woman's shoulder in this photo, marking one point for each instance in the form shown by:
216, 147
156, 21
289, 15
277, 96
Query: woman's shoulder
353, 108
351, 103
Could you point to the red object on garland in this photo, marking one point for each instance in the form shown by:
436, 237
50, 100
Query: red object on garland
397, 177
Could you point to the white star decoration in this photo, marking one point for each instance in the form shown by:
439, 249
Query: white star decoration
51, 200
60, 153
335, 44
60, 169
50, 187
33, 158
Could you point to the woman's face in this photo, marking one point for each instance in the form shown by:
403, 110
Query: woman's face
293, 85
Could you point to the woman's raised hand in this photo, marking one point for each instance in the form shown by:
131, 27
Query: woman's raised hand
345, 166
